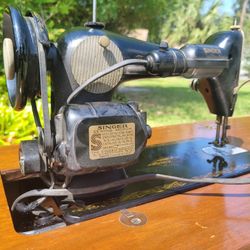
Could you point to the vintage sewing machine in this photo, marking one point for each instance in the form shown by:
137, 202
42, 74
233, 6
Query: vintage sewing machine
90, 158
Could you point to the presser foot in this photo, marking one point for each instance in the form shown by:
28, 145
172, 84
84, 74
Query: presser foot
220, 143
222, 127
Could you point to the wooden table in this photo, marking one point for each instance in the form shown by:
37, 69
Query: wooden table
212, 217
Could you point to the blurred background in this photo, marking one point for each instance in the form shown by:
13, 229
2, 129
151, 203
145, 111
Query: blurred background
167, 101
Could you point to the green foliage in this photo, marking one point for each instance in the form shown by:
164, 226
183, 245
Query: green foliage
123, 16
186, 23
171, 101
55, 13
246, 28
14, 126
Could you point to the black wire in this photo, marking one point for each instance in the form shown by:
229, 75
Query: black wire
146, 177
35, 113
237, 89
24, 208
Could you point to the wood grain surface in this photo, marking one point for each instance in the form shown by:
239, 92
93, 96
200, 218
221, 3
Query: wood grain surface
212, 217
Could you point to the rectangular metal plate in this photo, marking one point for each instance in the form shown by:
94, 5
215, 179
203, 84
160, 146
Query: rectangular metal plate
111, 140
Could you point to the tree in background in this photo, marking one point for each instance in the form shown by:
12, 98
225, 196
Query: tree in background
175, 19
242, 13
190, 23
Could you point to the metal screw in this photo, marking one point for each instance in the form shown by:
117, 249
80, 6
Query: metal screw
104, 41
163, 45
136, 221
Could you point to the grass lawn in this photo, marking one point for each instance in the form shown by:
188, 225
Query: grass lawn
172, 101
166, 101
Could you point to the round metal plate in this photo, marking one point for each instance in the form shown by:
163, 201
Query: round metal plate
133, 219
91, 57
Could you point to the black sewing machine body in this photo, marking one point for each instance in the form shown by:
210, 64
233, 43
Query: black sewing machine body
74, 44
87, 140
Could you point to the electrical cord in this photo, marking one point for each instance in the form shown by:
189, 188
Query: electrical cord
103, 73
43, 192
24, 208
35, 113
147, 177
237, 89
69, 193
